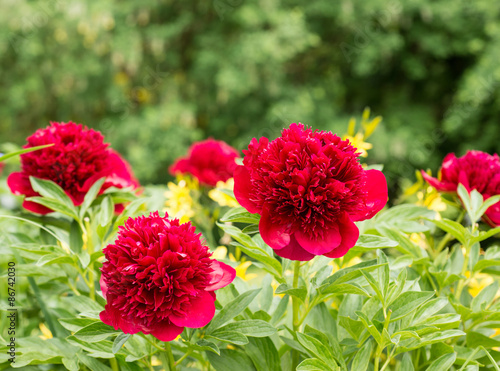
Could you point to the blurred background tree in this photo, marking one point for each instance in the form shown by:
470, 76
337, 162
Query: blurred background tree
154, 76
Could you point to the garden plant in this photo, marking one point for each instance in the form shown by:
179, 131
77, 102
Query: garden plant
285, 256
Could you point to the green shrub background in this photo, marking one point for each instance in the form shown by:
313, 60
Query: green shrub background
154, 76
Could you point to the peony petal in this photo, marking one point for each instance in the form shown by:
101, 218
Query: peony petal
376, 197
104, 286
19, 184
36, 208
294, 251
112, 317
272, 233
440, 186
350, 235
200, 314
166, 331
331, 239
222, 276
492, 215
242, 189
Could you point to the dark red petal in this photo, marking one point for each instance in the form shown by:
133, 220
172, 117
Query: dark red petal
112, 317
19, 184
36, 208
350, 235
200, 314
166, 331
294, 251
440, 186
376, 197
104, 287
318, 246
492, 215
179, 166
273, 234
221, 276
242, 188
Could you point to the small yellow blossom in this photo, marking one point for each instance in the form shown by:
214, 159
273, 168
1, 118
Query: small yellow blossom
478, 282
179, 202
45, 331
358, 142
222, 198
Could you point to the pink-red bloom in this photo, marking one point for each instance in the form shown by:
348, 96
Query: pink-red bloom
78, 158
209, 161
475, 170
159, 278
309, 188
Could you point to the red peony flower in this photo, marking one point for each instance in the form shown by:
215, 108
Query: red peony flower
209, 161
78, 158
159, 278
475, 170
309, 188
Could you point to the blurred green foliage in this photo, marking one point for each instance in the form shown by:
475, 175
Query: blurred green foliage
156, 75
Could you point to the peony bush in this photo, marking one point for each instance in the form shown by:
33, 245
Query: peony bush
290, 258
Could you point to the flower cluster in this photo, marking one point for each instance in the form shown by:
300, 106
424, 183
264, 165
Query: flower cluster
309, 188
209, 161
78, 158
475, 170
159, 278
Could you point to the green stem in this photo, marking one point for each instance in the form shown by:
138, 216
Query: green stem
114, 364
380, 349
179, 361
295, 308
90, 251
170, 356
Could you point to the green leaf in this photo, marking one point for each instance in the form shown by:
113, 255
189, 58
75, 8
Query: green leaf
374, 285
313, 364
406, 363
95, 332
362, 358
443, 363
206, 345
455, 229
483, 264
240, 215
106, 212
408, 302
429, 308
372, 241
49, 189
75, 237
370, 327
229, 337
232, 309
484, 235
487, 204
263, 354
230, 360
75, 324
299, 292
90, 196
475, 339
55, 205
410, 344
349, 273
119, 341
345, 288
55, 259
22, 151
316, 348
485, 297
92, 363
251, 327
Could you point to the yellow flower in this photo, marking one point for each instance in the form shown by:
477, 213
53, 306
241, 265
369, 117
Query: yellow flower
368, 127
45, 331
478, 282
223, 199
358, 142
179, 202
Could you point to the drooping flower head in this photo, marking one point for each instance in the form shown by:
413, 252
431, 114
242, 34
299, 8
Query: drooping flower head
309, 188
475, 170
210, 161
159, 278
78, 158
